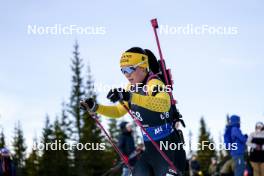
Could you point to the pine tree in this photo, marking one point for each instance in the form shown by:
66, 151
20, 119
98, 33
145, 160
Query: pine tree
190, 143
47, 158
74, 109
111, 155
66, 123
2, 139
77, 89
114, 131
205, 153
32, 162
221, 151
66, 126
89, 87
90, 134
61, 156
19, 148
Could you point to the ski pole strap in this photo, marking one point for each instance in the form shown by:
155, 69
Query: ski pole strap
165, 157
125, 160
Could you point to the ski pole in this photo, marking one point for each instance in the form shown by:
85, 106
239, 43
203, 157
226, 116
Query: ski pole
95, 117
150, 138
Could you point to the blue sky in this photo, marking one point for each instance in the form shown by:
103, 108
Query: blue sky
213, 74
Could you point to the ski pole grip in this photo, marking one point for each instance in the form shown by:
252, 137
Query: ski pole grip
154, 23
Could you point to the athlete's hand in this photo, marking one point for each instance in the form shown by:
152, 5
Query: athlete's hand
89, 105
118, 94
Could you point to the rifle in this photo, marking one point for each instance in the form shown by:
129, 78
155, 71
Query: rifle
166, 74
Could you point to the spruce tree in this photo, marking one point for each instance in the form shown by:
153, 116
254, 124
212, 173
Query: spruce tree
114, 130
221, 151
47, 158
190, 143
77, 89
66, 127
19, 148
32, 162
61, 156
90, 134
89, 86
206, 151
111, 155
2, 139
66, 123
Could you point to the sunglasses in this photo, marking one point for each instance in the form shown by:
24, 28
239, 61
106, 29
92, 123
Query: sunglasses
130, 69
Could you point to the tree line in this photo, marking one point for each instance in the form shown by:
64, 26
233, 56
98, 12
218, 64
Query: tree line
75, 126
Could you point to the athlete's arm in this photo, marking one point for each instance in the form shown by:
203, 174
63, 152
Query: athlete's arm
112, 111
158, 101
116, 111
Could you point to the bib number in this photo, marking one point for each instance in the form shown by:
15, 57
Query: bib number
164, 115
137, 115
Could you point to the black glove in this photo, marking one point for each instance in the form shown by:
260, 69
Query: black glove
88, 105
118, 94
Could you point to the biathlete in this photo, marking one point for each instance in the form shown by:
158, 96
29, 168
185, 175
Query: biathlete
147, 98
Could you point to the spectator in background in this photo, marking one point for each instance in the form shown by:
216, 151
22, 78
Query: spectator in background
195, 167
240, 140
7, 167
213, 168
127, 145
227, 168
227, 163
248, 169
256, 144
